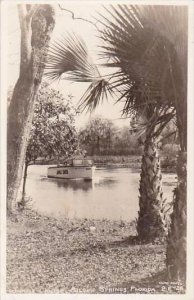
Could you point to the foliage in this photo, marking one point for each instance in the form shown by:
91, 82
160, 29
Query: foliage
70, 56
171, 22
97, 136
127, 142
53, 134
101, 137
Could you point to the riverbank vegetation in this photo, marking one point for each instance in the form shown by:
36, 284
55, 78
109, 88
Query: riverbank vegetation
109, 145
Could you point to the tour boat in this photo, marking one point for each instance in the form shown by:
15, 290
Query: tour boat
76, 168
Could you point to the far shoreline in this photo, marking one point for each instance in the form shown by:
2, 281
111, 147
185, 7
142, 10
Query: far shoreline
118, 161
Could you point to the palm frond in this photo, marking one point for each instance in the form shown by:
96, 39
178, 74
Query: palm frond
70, 56
149, 57
96, 92
138, 51
170, 21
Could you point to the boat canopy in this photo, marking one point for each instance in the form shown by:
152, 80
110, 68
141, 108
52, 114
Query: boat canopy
82, 162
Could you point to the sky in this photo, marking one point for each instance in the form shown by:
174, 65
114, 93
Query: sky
65, 24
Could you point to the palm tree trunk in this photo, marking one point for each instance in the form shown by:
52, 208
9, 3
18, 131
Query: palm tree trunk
151, 222
176, 243
176, 246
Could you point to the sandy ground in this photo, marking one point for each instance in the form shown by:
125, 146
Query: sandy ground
47, 255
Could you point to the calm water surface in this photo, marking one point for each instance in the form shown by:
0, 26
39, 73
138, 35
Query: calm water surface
112, 194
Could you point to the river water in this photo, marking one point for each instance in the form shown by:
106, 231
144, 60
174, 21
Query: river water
112, 194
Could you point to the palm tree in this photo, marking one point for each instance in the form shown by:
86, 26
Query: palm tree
171, 22
130, 85
139, 54
175, 28
148, 45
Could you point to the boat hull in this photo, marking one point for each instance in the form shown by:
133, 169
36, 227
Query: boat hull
71, 172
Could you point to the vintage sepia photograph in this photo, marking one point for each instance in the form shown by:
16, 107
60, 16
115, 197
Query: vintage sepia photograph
97, 153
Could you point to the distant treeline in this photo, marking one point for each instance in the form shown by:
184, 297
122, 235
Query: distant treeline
100, 137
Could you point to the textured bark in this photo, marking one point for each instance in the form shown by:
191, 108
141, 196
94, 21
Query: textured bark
176, 255
151, 222
36, 26
176, 247
24, 180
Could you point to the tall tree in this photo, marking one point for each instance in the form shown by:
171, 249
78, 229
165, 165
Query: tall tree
36, 25
171, 23
178, 36
97, 136
167, 26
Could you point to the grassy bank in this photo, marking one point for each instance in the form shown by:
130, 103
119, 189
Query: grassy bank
47, 255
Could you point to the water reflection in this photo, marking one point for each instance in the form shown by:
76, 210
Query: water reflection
73, 184
81, 184
112, 194
106, 181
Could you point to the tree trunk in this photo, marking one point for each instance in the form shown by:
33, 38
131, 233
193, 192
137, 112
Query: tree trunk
24, 180
151, 222
176, 247
36, 27
98, 146
176, 255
